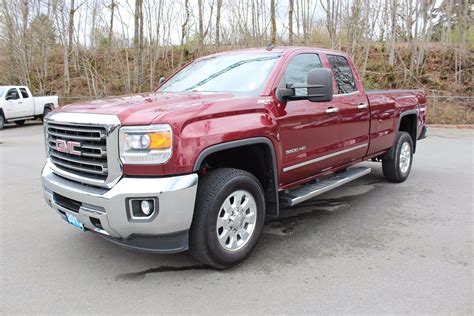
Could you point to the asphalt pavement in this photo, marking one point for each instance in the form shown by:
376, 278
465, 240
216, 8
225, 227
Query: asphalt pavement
368, 247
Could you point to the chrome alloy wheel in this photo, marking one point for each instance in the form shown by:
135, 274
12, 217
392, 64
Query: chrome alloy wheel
405, 157
236, 220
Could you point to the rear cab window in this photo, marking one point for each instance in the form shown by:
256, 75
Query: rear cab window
24, 93
345, 80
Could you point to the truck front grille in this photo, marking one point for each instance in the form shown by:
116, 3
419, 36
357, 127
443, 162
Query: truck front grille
78, 149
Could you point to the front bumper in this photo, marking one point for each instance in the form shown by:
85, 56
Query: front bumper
105, 211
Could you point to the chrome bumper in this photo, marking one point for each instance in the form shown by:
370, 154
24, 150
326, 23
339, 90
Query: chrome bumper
104, 211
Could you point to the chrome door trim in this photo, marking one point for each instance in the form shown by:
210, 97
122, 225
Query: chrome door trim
308, 162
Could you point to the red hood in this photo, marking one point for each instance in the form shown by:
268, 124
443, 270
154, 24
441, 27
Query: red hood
143, 109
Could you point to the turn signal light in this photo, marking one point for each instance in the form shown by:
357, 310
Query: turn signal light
160, 140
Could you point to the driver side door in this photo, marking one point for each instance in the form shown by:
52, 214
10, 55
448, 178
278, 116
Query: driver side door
13, 104
309, 131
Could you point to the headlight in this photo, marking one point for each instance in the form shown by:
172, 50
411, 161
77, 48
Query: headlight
144, 145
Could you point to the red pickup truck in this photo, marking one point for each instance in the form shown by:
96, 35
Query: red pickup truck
222, 144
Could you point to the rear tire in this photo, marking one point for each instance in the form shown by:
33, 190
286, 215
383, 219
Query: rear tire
396, 164
228, 217
20, 122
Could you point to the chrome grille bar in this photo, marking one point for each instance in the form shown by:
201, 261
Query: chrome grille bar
61, 135
88, 164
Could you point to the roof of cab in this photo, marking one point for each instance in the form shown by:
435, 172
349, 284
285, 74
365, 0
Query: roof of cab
276, 49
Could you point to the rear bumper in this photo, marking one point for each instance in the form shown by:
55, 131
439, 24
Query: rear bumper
105, 211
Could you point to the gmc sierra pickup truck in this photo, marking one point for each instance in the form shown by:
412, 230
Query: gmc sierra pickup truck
17, 105
221, 145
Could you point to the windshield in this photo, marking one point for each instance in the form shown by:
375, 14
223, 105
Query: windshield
224, 73
2, 90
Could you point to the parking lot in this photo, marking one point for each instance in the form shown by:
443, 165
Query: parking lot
368, 247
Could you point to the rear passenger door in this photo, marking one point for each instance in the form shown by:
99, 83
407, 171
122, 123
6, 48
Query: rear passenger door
353, 107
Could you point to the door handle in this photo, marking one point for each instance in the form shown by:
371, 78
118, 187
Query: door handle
332, 110
20, 102
362, 105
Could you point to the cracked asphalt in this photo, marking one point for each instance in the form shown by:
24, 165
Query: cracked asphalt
368, 247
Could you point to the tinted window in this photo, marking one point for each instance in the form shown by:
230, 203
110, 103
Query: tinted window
342, 74
246, 73
11, 91
24, 94
298, 68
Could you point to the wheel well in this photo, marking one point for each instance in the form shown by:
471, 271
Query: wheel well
255, 158
408, 124
48, 106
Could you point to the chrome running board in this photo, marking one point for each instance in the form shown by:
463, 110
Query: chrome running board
308, 191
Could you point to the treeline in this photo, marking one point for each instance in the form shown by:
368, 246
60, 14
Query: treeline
93, 48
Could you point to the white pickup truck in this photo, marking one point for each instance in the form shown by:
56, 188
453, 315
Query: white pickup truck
17, 105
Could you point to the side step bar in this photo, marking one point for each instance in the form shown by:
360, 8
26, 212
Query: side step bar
21, 118
308, 191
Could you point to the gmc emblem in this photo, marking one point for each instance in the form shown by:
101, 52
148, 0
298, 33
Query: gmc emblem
68, 147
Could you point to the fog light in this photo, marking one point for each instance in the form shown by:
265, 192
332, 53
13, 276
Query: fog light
147, 207
142, 208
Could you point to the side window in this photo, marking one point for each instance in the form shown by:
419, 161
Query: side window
12, 94
24, 94
342, 74
298, 68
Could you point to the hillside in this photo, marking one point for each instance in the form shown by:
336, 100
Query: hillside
106, 72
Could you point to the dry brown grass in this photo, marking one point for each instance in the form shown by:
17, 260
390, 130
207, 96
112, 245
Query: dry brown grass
450, 110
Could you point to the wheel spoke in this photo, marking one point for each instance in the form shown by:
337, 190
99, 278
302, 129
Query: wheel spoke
233, 242
221, 221
245, 205
243, 234
223, 237
238, 198
250, 218
227, 207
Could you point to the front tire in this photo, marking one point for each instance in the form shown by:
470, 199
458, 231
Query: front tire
2, 121
228, 217
396, 165
46, 112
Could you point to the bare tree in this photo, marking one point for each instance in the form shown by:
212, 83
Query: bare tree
112, 7
201, 24
392, 8
218, 22
184, 27
273, 20
138, 43
290, 21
